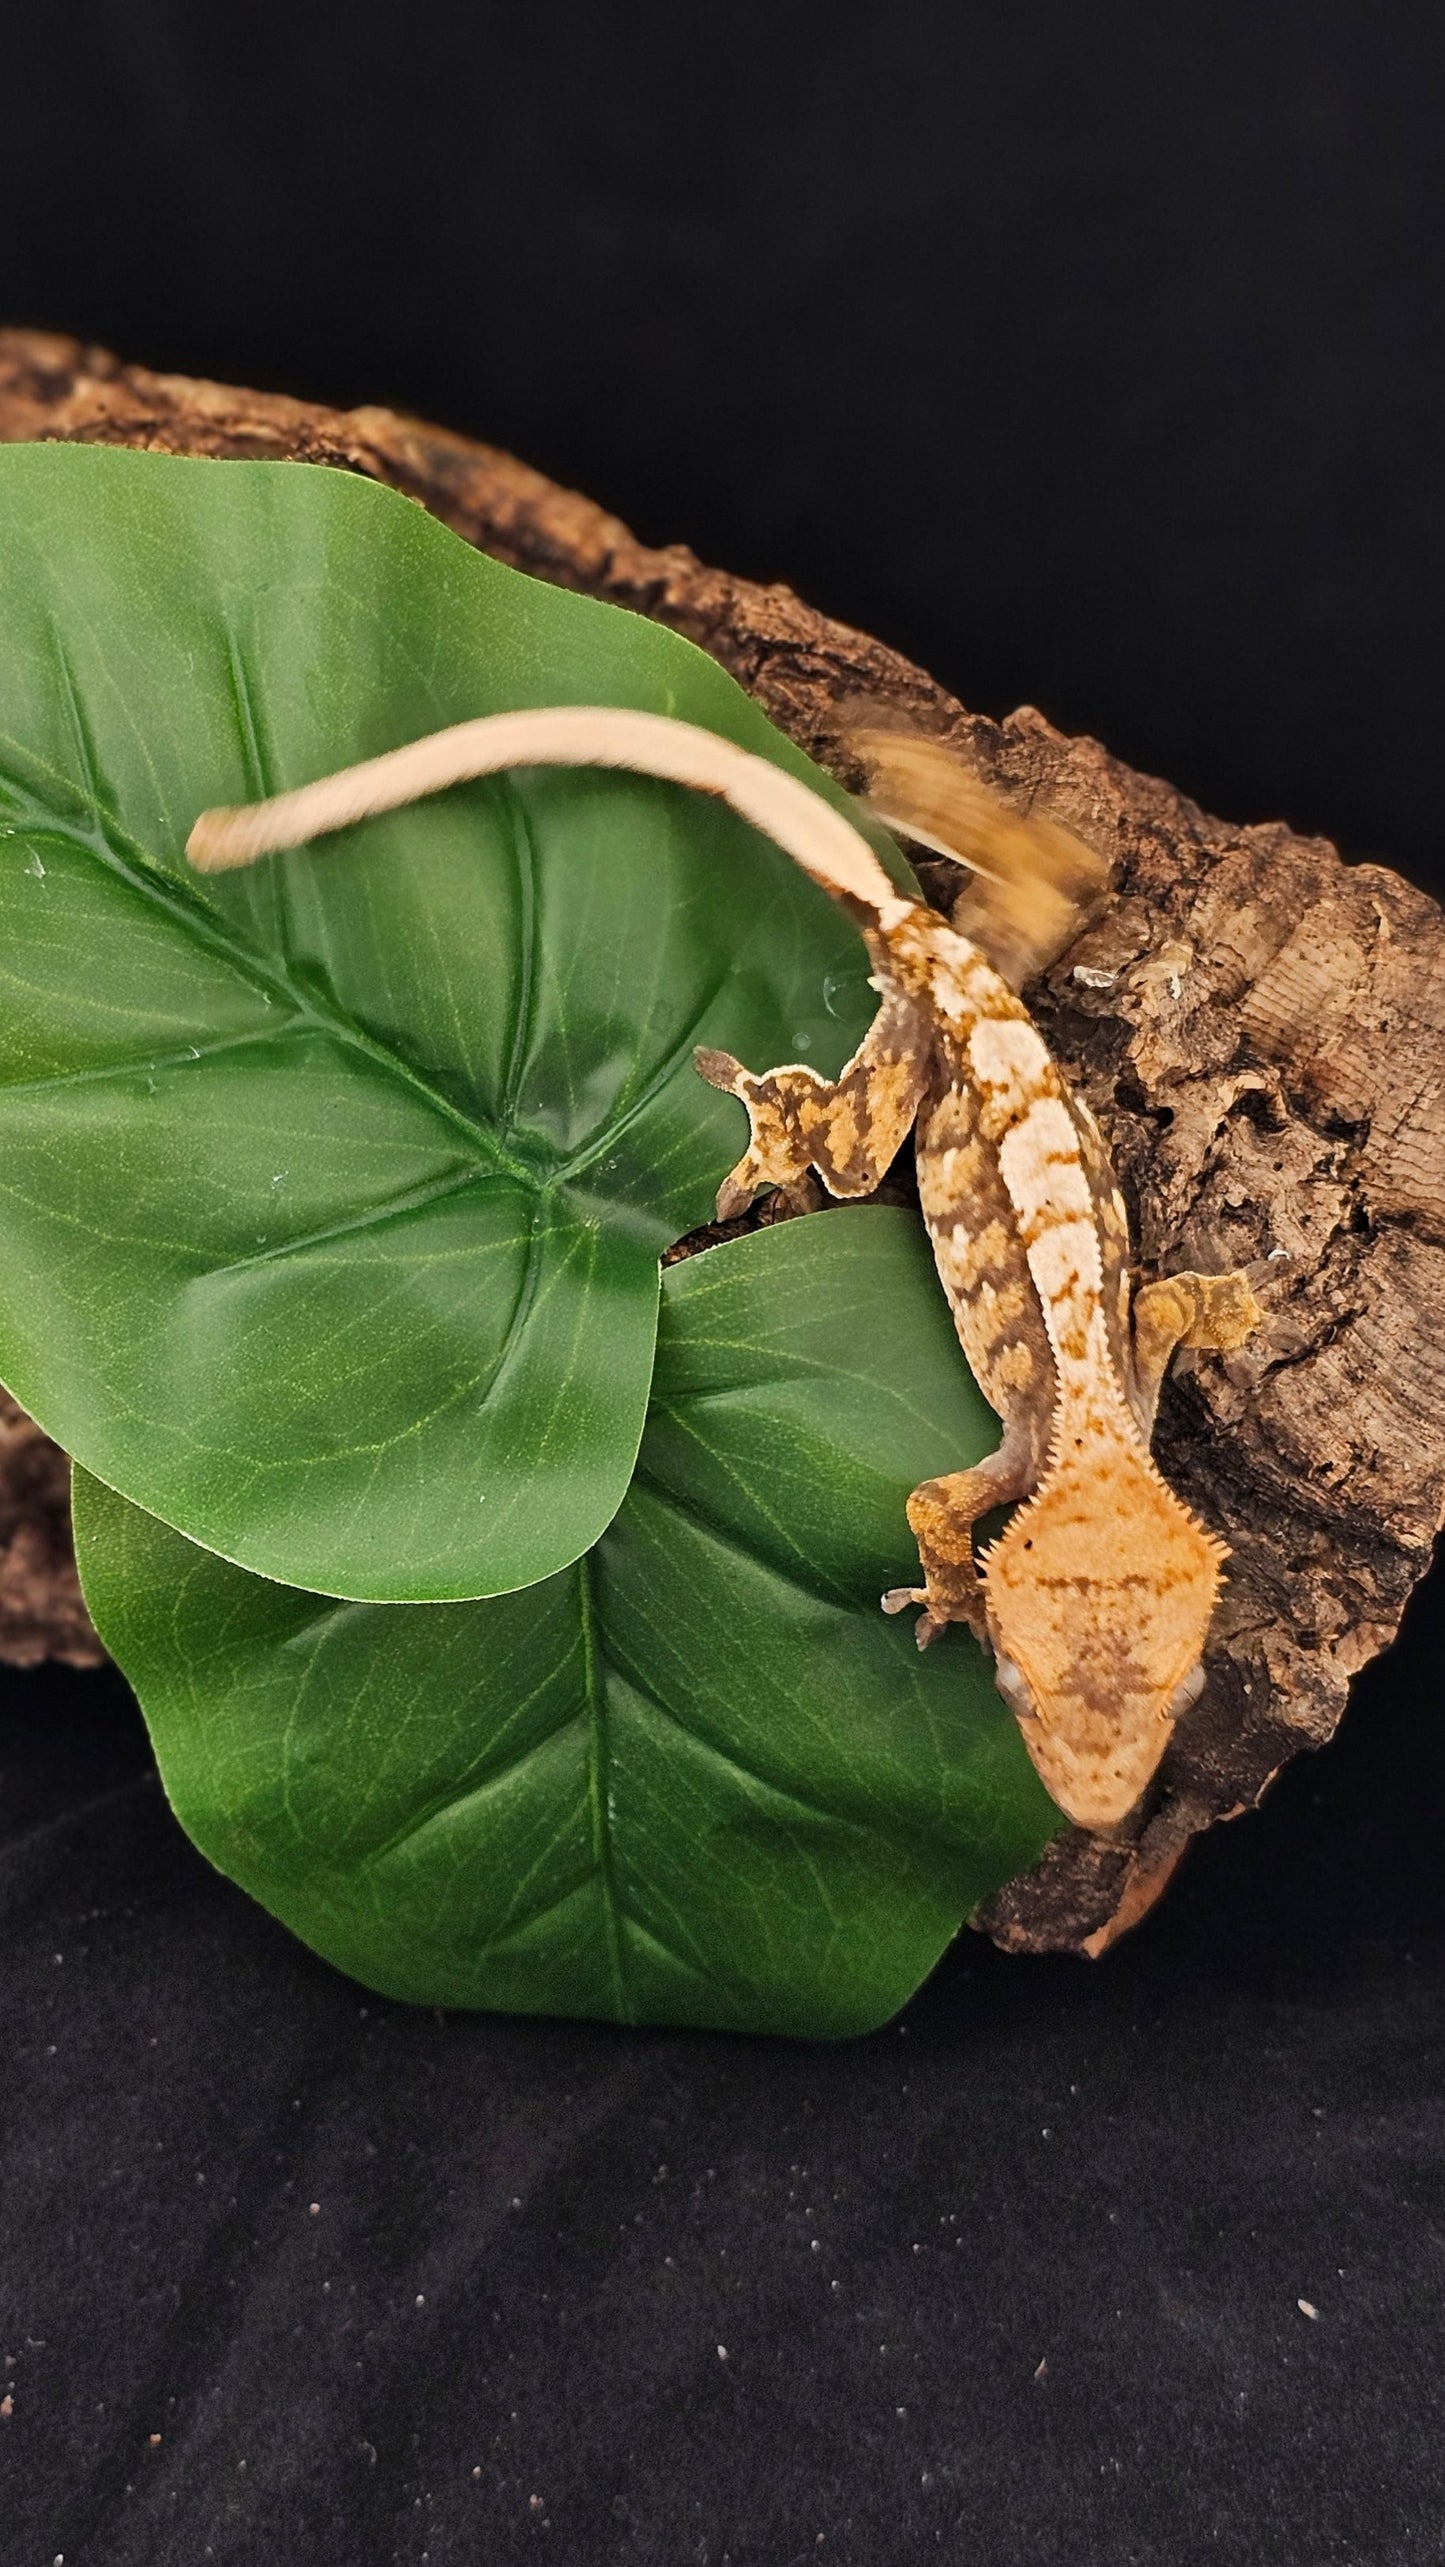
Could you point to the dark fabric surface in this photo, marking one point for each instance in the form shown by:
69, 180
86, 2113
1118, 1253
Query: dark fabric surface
1092, 356
1018, 2280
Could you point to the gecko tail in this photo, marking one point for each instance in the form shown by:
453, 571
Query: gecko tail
819, 838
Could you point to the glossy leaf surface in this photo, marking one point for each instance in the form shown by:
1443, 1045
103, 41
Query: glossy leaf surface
332, 1192
698, 1777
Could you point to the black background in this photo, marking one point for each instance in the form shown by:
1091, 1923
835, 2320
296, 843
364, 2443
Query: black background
1090, 354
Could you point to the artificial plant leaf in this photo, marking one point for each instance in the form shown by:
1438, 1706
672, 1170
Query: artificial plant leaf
331, 1193
697, 1777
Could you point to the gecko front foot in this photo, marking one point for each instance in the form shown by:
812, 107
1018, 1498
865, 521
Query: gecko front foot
941, 1515
938, 1611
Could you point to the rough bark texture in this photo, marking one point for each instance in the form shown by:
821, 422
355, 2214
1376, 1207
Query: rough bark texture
41, 1613
1260, 1029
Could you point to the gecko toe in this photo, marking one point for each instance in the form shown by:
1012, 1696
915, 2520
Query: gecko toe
718, 1068
734, 1196
930, 1624
898, 1599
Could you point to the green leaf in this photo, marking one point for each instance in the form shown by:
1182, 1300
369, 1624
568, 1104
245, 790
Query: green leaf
696, 1778
332, 1193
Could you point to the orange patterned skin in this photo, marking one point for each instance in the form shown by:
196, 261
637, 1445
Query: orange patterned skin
1097, 1597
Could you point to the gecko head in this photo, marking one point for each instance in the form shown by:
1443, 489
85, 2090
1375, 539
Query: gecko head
1099, 1596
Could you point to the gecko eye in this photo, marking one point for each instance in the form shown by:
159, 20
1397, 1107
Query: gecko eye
1014, 1690
1186, 1692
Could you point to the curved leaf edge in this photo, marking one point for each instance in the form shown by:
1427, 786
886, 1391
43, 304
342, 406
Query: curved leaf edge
99, 1544
102, 469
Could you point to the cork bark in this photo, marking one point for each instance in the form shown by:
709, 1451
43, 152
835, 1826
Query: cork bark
1259, 1028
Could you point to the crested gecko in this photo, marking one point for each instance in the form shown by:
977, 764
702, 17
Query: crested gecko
1097, 1597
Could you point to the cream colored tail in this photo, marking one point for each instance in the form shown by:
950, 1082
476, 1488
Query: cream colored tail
818, 838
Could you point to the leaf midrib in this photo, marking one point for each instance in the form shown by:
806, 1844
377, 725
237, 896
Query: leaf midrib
112, 845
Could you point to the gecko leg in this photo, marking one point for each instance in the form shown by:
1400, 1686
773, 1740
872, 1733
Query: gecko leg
942, 1514
1211, 1311
850, 1128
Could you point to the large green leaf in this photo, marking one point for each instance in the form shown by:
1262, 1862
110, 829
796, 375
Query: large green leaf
331, 1194
696, 1778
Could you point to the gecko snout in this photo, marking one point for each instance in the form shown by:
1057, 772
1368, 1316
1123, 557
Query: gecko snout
1099, 1595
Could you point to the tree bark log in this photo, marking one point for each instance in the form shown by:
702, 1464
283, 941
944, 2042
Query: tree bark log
1259, 1028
